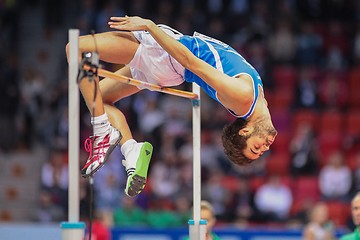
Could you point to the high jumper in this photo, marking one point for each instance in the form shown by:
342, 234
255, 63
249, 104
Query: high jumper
160, 55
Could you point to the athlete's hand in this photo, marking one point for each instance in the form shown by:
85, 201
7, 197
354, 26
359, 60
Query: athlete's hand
129, 23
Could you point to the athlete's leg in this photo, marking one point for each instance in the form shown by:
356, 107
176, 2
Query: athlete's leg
137, 155
112, 91
113, 47
118, 48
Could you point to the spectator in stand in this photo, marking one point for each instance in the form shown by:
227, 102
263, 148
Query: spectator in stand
207, 213
100, 227
54, 178
161, 214
182, 208
238, 8
109, 182
86, 17
260, 18
165, 11
32, 87
257, 53
356, 173
151, 115
47, 211
9, 101
356, 46
109, 195
335, 178
309, 45
336, 45
334, 93
85, 198
282, 42
128, 214
319, 226
303, 150
301, 212
273, 200
216, 193
185, 181
242, 201
355, 212
165, 173
214, 7
110, 8
306, 91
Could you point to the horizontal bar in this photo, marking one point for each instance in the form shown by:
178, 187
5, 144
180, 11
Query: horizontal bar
138, 83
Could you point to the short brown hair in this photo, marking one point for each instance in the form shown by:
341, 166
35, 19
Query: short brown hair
234, 143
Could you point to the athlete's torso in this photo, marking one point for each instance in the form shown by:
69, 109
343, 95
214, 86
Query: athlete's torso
224, 58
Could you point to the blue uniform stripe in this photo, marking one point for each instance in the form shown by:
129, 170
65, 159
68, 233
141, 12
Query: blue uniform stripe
222, 57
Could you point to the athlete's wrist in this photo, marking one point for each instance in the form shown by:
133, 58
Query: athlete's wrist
150, 25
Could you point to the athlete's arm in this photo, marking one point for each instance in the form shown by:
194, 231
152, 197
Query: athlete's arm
232, 93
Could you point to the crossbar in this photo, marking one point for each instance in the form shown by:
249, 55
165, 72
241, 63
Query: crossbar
153, 87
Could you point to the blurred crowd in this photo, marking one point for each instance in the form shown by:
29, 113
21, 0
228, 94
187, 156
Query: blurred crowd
308, 55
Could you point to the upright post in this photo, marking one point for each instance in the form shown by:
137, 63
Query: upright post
73, 126
73, 229
194, 225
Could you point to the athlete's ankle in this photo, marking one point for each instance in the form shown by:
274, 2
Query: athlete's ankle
126, 146
101, 124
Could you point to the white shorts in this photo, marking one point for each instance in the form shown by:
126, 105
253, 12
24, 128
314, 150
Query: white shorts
152, 64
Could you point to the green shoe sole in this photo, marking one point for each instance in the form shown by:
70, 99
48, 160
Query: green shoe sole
138, 180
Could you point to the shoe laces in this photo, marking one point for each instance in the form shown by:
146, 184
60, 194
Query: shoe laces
100, 146
88, 146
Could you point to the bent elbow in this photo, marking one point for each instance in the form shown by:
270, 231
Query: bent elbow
249, 93
249, 101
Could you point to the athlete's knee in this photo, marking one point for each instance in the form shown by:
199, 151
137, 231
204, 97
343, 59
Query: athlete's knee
67, 50
85, 44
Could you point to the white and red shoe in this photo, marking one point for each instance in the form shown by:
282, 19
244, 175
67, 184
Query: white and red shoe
99, 149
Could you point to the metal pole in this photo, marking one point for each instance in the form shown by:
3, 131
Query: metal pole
73, 139
73, 229
195, 233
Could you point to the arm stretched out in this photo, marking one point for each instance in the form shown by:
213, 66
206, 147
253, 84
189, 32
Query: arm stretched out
231, 93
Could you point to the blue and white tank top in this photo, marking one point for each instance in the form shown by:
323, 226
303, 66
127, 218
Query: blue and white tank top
224, 58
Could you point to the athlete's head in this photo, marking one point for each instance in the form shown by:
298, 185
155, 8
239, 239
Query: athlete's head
244, 144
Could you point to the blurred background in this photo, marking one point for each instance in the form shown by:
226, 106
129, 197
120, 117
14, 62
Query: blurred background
308, 55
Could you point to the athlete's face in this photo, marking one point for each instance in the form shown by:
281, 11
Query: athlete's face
257, 145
